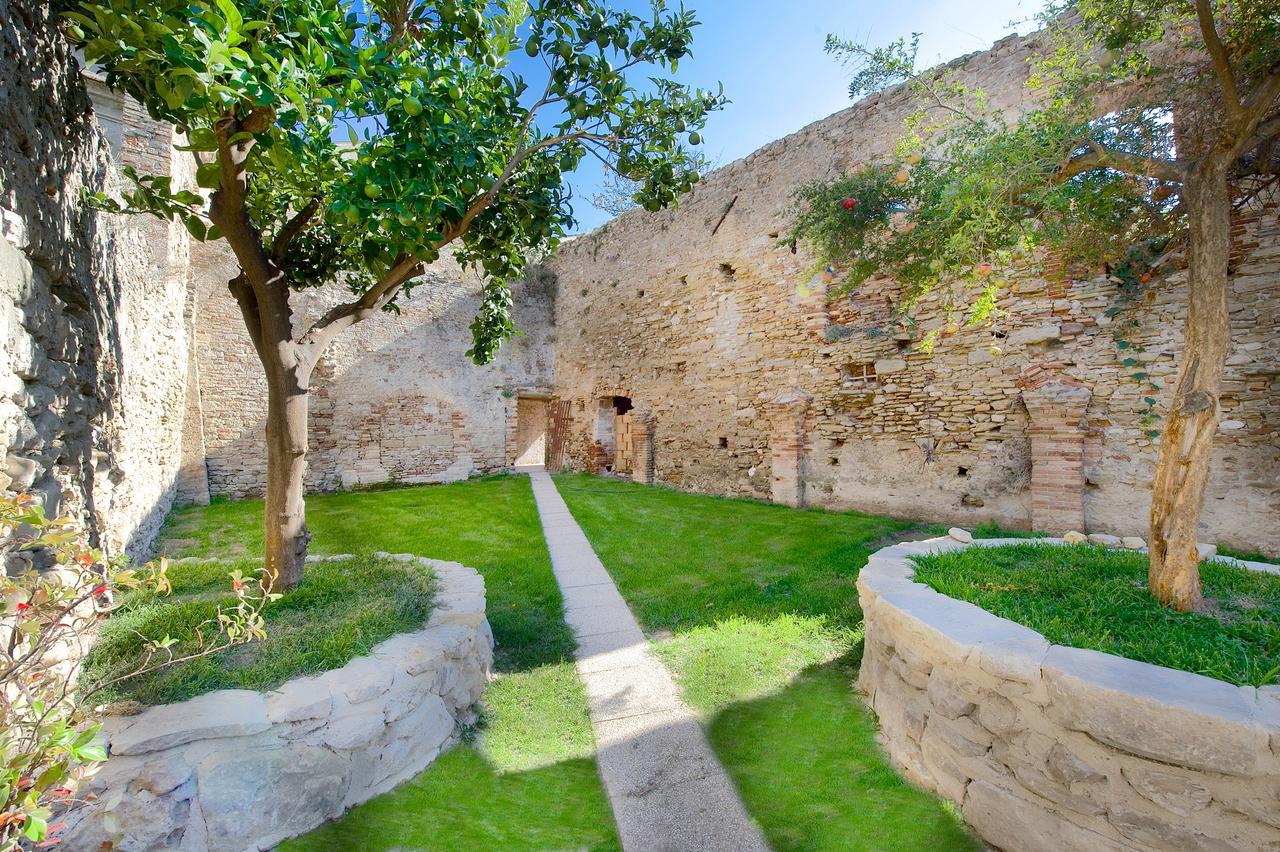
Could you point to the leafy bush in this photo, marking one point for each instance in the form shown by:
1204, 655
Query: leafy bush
48, 728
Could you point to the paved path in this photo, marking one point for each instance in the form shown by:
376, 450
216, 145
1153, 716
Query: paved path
666, 787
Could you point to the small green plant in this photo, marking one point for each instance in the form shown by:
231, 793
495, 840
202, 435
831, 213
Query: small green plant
48, 725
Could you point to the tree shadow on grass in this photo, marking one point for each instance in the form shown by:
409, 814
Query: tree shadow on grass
808, 767
462, 803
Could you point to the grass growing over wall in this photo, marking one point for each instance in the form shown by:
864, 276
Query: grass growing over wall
1090, 597
340, 611
527, 779
756, 613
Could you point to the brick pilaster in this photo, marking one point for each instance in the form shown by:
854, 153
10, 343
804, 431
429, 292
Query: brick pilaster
787, 414
1056, 407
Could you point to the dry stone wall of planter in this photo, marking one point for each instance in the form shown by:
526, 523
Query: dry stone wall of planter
244, 770
1045, 747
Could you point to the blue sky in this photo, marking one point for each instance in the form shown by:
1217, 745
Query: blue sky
769, 57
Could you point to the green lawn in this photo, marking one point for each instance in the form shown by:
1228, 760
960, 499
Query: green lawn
755, 611
527, 779
340, 611
1089, 597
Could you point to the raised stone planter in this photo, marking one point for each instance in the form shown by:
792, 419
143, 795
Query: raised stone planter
243, 770
1051, 748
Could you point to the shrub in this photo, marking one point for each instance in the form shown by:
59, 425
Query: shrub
48, 724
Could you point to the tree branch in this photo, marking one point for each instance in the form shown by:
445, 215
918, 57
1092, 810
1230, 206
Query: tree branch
292, 228
1221, 63
1100, 156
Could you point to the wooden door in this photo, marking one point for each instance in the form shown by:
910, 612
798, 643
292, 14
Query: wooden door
557, 433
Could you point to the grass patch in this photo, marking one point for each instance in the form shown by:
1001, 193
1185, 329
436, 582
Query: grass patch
684, 560
340, 611
528, 778
1091, 597
528, 781
757, 615
489, 524
807, 764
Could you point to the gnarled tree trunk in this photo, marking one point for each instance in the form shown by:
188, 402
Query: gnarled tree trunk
1186, 448
285, 512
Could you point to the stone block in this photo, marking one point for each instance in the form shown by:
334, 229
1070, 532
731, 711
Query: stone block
362, 679
300, 699
947, 696
1171, 716
1133, 542
354, 728
226, 713
1179, 792
1067, 767
269, 795
1105, 540
1009, 820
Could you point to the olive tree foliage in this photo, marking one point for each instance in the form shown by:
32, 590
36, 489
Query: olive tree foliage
337, 140
1153, 120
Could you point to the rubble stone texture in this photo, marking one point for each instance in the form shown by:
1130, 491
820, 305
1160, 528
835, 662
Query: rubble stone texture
1052, 748
92, 307
709, 320
237, 769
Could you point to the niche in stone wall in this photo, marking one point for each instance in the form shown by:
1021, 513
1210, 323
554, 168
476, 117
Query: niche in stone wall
613, 434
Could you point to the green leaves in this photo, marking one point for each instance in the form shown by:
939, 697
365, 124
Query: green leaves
404, 123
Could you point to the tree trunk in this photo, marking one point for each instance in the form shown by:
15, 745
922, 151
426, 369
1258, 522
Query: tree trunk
1186, 446
286, 521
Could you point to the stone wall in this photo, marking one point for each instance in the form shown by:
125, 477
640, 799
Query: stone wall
393, 398
237, 769
1052, 748
91, 318
761, 382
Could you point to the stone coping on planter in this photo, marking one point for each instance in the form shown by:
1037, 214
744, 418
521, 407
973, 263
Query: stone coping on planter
243, 770
1046, 747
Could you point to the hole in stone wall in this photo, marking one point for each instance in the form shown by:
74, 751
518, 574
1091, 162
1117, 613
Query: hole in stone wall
727, 270
622, 404
724, 443
640, 293
859, 374
833, 461
962, 471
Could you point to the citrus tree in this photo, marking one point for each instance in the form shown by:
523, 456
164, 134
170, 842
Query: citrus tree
1153, 121
342, 140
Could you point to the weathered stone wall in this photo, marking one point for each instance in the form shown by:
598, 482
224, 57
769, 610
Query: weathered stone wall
238, 769
761, 384
394, 398
91, 319
1053, 748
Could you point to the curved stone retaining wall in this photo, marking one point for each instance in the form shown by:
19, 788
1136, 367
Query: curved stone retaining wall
237, 769
1045, 747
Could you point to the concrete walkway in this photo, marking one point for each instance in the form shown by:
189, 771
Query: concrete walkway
666, 787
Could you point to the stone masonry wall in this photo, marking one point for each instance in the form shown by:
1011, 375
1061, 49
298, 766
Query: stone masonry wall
91, 318
237, 769
394, 398
1054, 748
707, 321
